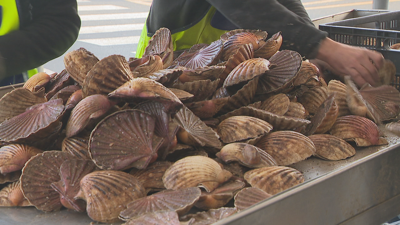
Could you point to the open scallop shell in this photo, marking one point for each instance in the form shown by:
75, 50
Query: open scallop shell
78, 63
180, 201
37, 81
287, 147
13, 157
324, 118
206, 56
238, 55
36, 122
201, 89
124, 140
363, 131
246, 154
242, 128
274, 179
246, 71
313, 98
17, 101
105, 206
38, 174
11, 196
151, 177
277, 104
195, 171
156, 218
270, 47
209, 217
76, 146
107, 75
195, 131
161, 45
249, 196
339, 89
331, 147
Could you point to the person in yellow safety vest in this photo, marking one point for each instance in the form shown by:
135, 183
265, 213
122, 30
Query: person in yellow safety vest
33, 32
203, 21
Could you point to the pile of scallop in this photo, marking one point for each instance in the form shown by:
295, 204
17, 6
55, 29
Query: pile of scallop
190, 139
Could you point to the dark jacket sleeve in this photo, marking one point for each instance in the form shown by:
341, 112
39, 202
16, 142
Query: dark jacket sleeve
48, 28
298, 33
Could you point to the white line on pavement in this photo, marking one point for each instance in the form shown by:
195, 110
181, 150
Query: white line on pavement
99, 7
110, 28
114, 16
112, 41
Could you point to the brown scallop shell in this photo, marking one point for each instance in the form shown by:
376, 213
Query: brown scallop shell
387, 73
201, 89
71, 173
78, 63
14, 156
107, 75
296, 109
11, 196
339, 89
105, 206
37, 81
287, 147
165, 77
180, 201
270, 47
201, 73
195, 171
248, 197
363, 131
274, 179
287, 64
206, 56
242, 128
57, 82
261, 35
308, 75
153, 64
209, 217
36, 122
124, 140
277, 104
313, 98
238, 55
207, 108
394, 127
156, 218
86, 111
151, 177
237, 39
76, 146
331, 147
184, 96
161, 45
195, 130
74, 99
38, 174
17, 101
246, 71
66, 93
246, 154
324, 117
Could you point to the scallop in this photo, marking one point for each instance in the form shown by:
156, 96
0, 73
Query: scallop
277, 104
105, 206
238, 55
11, 196
206, 56
37, 81
57, 82
76, 146
287, 147
78, 63
296, 109
201, 89
165, 77
153, 64
238, 39
248, 197
195, 171
207, 108
161, 45
274, 179
246, 71
210, 216
308, 75
14, 156
330, 147
339, 89
203, 73
313, 98
151, 177
10, 177
393, 127
260, 34
156, 218
74, 99
66, 92
270, 47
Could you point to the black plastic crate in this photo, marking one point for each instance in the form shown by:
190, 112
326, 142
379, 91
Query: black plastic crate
377, 32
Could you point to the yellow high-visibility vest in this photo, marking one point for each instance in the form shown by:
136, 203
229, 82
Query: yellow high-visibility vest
10, 21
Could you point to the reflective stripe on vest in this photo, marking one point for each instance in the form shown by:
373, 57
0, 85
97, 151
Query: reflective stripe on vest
9, 21
187, 38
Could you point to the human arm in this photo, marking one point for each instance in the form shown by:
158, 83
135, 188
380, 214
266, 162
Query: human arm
46, 31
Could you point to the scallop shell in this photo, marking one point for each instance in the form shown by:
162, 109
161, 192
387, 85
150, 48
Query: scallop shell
387, 73
331, 147
24, 99
247, 70
296, 109
11, 196
161, 45
71, 172
10, 177
151, 177
13, 157
241, 38
242, 128
248, 197
238, 55
195, 130
261, 35
287, 147
153, 64
277, 104
124, 140
156, 218
38, 174
246, 154
74, 99
206, 56
37, 81
282, 75
147, 89
195, 171
364, 132
209, 217
207, 108
324, 118
57, 82
105, 206
308, 75
393, 127
201, 89
165, 77
87, 111
76, 146
313, 98
66, 93
270, 47
274, 179
180, 201
36, 122
184, 96
339, 89
107, 75
78, 63
202, 73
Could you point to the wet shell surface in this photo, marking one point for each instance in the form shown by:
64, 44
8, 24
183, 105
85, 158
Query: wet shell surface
14, 156
287, 147
195, 171
246, 71
339, 89
330, 147
246, 154
156, 218
78, 63
11, 196
249, 196
105, 206
242, 128
151, 177
124, 140
274, 179
180, 201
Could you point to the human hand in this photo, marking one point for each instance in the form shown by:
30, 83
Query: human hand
360, 64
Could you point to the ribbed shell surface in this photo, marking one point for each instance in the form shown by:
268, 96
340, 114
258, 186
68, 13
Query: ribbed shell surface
313, 98
339, 89
151, 177
76, 146
207, 56
270, 47
157, 218
201, 89
249, 196
331, 147
246, 71
277, 104
14, 156
78, 63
